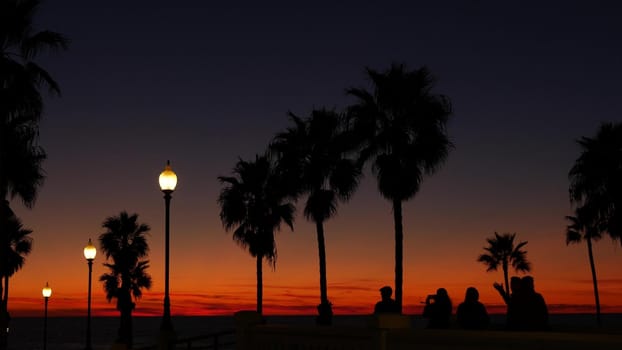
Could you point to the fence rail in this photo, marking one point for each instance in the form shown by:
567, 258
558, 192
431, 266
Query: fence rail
221, 340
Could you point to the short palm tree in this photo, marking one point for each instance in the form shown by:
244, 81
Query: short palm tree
596, 178
581, 229
402, 128
124, 243
254, 204
502, 251
320, 153
20, 245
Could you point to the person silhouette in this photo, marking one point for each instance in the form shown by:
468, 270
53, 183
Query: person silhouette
536, 314
438, 309
386, 304
515, 284
515, 318
471, 314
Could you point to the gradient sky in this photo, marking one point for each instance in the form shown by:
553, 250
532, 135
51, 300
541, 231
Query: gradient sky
203, 84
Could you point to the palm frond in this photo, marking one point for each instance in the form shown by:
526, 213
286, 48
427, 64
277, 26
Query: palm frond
501, 251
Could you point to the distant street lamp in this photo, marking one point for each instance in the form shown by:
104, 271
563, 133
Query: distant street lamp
47, 293
168, 181
89, 254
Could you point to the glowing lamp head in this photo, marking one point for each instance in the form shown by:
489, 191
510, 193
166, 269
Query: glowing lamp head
46, 291
168, 179
90, 251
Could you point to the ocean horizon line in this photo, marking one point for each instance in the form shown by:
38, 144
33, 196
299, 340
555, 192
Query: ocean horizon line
303, 315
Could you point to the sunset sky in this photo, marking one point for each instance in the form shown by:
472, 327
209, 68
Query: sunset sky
203, 83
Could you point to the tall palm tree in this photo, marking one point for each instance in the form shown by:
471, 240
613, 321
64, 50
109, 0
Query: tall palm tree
20, 75
502, 251
596, 178
20, 245
319, 151
402, 128
254, 204
21, 106
581, 229
125, 243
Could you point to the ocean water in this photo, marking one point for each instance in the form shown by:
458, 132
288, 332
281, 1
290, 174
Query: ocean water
67, 333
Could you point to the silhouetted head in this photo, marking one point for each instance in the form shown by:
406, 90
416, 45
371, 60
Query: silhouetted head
386, 292
471, 294
442, 298
527, 283
515, 284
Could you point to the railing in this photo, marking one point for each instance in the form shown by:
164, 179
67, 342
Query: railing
252, 333
215, 341
221, 340
284, 337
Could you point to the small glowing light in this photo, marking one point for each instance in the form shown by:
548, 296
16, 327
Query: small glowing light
46, 291
168, 179
90, 251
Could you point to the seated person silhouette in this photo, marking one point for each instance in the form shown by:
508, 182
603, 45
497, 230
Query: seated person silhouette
438, 309
386, 305
471, 314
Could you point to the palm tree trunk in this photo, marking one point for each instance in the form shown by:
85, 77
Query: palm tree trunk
125, 329
594, 280
5, 213
5, 296
259, 284
322, 255
399, 248
506, 279
4, 293
125, 306
325, 309
5, 305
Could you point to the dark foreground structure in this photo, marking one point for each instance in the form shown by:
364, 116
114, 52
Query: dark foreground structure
394, 332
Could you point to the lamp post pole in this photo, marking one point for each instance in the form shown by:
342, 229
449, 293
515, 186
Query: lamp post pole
47, 292
168, 181
166, 318
89, 254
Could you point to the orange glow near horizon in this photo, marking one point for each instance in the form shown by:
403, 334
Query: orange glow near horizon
282, 300
211, 275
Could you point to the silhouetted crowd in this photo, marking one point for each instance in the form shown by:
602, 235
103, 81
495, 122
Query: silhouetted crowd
526, 308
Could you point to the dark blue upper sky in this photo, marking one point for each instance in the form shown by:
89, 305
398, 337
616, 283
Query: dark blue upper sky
216, 79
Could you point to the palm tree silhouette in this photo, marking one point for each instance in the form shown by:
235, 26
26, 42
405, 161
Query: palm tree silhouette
317, 150
581, 229
501, 251
254, 204
595, 178
402, 130
21, 103
21, 76
21, 106
20, 245
125, 243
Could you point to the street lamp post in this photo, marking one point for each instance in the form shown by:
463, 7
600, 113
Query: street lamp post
89, 254
47, 292
168, 181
